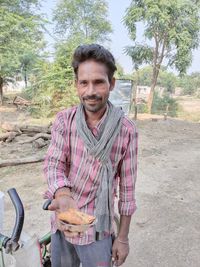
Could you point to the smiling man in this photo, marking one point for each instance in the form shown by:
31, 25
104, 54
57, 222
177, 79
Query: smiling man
93, 150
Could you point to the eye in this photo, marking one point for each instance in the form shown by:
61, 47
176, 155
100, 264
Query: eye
83, 82
99, 81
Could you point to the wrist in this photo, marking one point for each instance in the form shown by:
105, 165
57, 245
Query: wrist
123, 241
62, 192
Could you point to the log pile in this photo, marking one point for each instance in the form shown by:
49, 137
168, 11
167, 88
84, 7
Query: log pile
14, 162
34, 131
38, 136
20, 101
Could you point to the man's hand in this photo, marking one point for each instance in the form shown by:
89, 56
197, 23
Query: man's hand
62, 202
119, 252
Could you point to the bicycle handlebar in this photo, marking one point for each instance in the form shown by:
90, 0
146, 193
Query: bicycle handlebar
46, 204
19, 210
11, 243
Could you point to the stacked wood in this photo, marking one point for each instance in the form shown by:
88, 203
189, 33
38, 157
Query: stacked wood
8, 137
26, 128
39, 143
43, 136
20, 101
35, 131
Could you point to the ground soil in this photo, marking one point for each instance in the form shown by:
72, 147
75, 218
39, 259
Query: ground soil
165, 230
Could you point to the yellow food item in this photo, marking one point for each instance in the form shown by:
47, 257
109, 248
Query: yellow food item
73, 216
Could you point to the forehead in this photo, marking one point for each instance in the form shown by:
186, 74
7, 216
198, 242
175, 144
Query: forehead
91, 69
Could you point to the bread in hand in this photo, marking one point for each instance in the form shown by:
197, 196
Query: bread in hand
73, 216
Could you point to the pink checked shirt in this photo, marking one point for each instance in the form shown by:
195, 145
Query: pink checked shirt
66, 153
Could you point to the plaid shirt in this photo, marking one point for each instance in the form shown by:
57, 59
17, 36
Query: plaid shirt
66, 153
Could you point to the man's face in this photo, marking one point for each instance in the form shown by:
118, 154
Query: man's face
93, 85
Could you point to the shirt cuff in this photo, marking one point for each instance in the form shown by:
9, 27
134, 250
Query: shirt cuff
53, 188
126, 208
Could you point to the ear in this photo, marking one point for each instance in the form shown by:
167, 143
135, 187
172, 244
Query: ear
112, 84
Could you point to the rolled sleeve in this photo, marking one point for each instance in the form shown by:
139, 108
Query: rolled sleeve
127, 176
55, 163
127, 208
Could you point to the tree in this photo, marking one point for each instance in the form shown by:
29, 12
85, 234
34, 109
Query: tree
119, 74
77, 22
172, 27
20, 35
86, 20
190, 83
166, 79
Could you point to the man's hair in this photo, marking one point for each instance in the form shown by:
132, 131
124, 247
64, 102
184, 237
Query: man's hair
94, 52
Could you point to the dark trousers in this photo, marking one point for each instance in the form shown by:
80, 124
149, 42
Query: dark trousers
65, 254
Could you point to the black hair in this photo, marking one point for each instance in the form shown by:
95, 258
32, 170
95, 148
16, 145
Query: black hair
94, 52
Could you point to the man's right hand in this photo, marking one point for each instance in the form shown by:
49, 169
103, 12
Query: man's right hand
61, 203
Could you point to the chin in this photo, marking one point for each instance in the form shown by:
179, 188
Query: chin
94, 108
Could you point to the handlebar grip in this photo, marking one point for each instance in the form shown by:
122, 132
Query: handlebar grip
46, 204
19, 210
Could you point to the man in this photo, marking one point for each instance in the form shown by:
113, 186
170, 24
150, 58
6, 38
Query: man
93, 149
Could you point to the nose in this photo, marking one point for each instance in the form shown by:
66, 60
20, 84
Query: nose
90, 89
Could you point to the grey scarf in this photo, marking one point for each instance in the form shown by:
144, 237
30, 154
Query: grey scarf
100, 149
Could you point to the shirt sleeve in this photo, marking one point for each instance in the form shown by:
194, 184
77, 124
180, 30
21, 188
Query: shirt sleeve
55, 163
127, 176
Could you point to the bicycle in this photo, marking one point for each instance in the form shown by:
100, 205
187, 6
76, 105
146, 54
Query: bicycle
32, 253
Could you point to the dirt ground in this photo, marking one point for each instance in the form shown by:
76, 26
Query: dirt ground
165, 230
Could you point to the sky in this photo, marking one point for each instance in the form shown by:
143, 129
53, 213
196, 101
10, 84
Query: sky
119, 37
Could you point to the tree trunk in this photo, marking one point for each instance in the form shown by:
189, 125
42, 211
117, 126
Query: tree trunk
157, 61
156, 70
1, 90
25, 77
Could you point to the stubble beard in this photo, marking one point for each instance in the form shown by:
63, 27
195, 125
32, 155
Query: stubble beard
96, 107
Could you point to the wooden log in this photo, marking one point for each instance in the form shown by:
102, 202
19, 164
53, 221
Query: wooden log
10, 127
14, 162
8, 136
35, 128
37, 136
18, 100
11, 137
25, 128
39, 143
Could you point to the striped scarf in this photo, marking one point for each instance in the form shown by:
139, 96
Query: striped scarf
100, 149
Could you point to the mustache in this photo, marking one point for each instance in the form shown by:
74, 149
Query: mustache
92, 97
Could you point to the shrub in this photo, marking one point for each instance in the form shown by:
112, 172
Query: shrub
164, 104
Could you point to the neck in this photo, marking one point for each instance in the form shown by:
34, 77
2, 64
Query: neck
92, 118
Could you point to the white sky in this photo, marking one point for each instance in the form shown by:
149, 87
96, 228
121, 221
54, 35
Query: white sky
119, 37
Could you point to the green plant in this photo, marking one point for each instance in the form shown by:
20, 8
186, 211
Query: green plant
165, 104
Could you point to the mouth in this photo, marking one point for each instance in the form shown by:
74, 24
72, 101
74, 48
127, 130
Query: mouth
92, 100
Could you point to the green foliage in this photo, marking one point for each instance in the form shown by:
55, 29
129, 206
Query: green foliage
142, 108
164, 104
171, 26
84, 19
140, 54
166, 79
190, 84
119, 74
20, 36
52, 88
143, 76
77, 22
